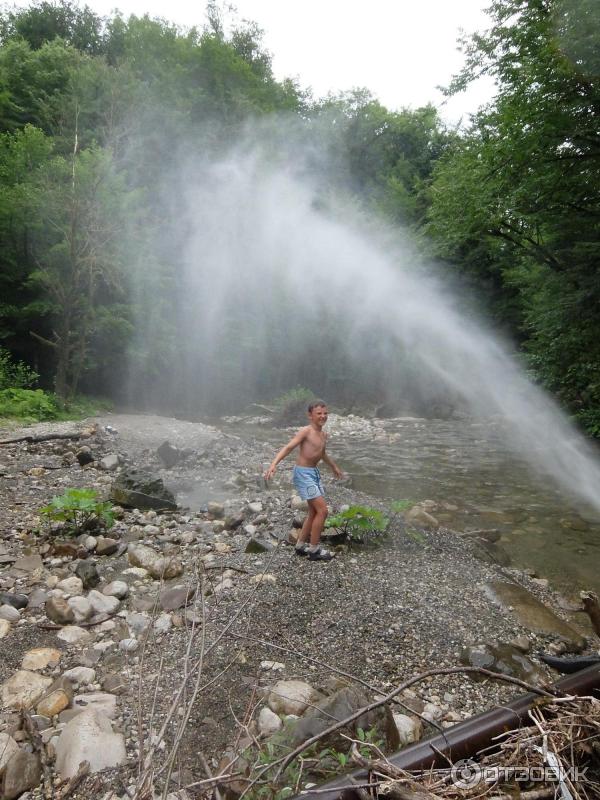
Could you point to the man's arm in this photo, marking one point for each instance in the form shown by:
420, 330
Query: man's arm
294, 442
332, 465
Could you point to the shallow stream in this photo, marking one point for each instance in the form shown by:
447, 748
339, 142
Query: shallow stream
465, 466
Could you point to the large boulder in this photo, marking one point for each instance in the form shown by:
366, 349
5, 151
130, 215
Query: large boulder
24, 689
135, 488
21, 773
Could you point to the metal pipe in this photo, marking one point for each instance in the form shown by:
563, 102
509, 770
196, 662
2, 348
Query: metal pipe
462, 740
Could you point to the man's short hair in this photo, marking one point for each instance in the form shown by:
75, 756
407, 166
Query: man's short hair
316, 404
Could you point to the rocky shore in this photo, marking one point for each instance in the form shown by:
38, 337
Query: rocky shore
155, 647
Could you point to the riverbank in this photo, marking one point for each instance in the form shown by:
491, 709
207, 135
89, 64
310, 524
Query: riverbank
381, 614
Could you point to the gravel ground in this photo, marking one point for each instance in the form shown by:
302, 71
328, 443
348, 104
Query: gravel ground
382, 613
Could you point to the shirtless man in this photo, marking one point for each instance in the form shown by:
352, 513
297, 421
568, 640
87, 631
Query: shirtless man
307, 479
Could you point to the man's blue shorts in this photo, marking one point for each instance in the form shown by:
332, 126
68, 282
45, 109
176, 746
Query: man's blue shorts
307, 481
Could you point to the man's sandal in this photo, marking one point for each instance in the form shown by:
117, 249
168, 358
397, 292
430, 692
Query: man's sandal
320, 555
301, 551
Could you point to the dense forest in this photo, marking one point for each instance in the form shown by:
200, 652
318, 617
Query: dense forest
98, 115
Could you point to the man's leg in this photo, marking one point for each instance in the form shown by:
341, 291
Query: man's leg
304, 534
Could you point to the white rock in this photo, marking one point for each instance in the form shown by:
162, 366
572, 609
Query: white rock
137, 622
263, 577
410, 729
23, 689
71, 586
223, 585
82, 608
90, 543
73, 634
89, 737
137, 572
103, 702
52, 581
102, 603
250, 529
274, 666
164, 623
256, 507
8, 748
268, 722
9, 613
298, 504
129, 645
290, 697
432, 712
80, 674
116, 589
4, 628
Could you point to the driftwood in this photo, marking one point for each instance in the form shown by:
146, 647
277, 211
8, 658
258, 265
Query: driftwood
48, 437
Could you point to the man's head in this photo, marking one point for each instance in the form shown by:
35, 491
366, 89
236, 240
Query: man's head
317, 412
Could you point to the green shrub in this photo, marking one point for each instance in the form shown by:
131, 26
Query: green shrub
28, 405
359, 521
292, 406
80, 509
15, 374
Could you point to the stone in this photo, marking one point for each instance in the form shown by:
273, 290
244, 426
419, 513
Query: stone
8, 748
532, 614
250, 529
118, 589
166, 567
87, 573
273, 666
575, 523
138, 489
176, 597
81, 607
224, 585
290, 697
105, 546
268, 722
216, 510
114, 683
37, 598
503, 658
81, 675
22, 772
40, 658
71, 586
15, 600
298, 504
522, 643
410, 729
138, 623
233, 522
110, 462
9, 613
255, 507
23, 689
73, 634
84, 456
102, 603
53, 704
29, 563
5, 628
418, 516
129, 645
258, 546
102, 702
168, 454
163, 623
89, 737
263, 578
58, 610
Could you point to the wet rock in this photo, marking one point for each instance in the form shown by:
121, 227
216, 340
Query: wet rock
291, 697
24, 689
73, 634
118, 589
531, 613
502, 658
158, 566
89, 737
176, 597
9, 613
15, 600
84, 456
268, 722
410, 729
40, 658
5, 628
22, 772
139, 489
88, 574
106, 546
169, 454
109, 463
58, 610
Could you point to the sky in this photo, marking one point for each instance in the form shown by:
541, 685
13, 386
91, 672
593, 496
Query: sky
399, 49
